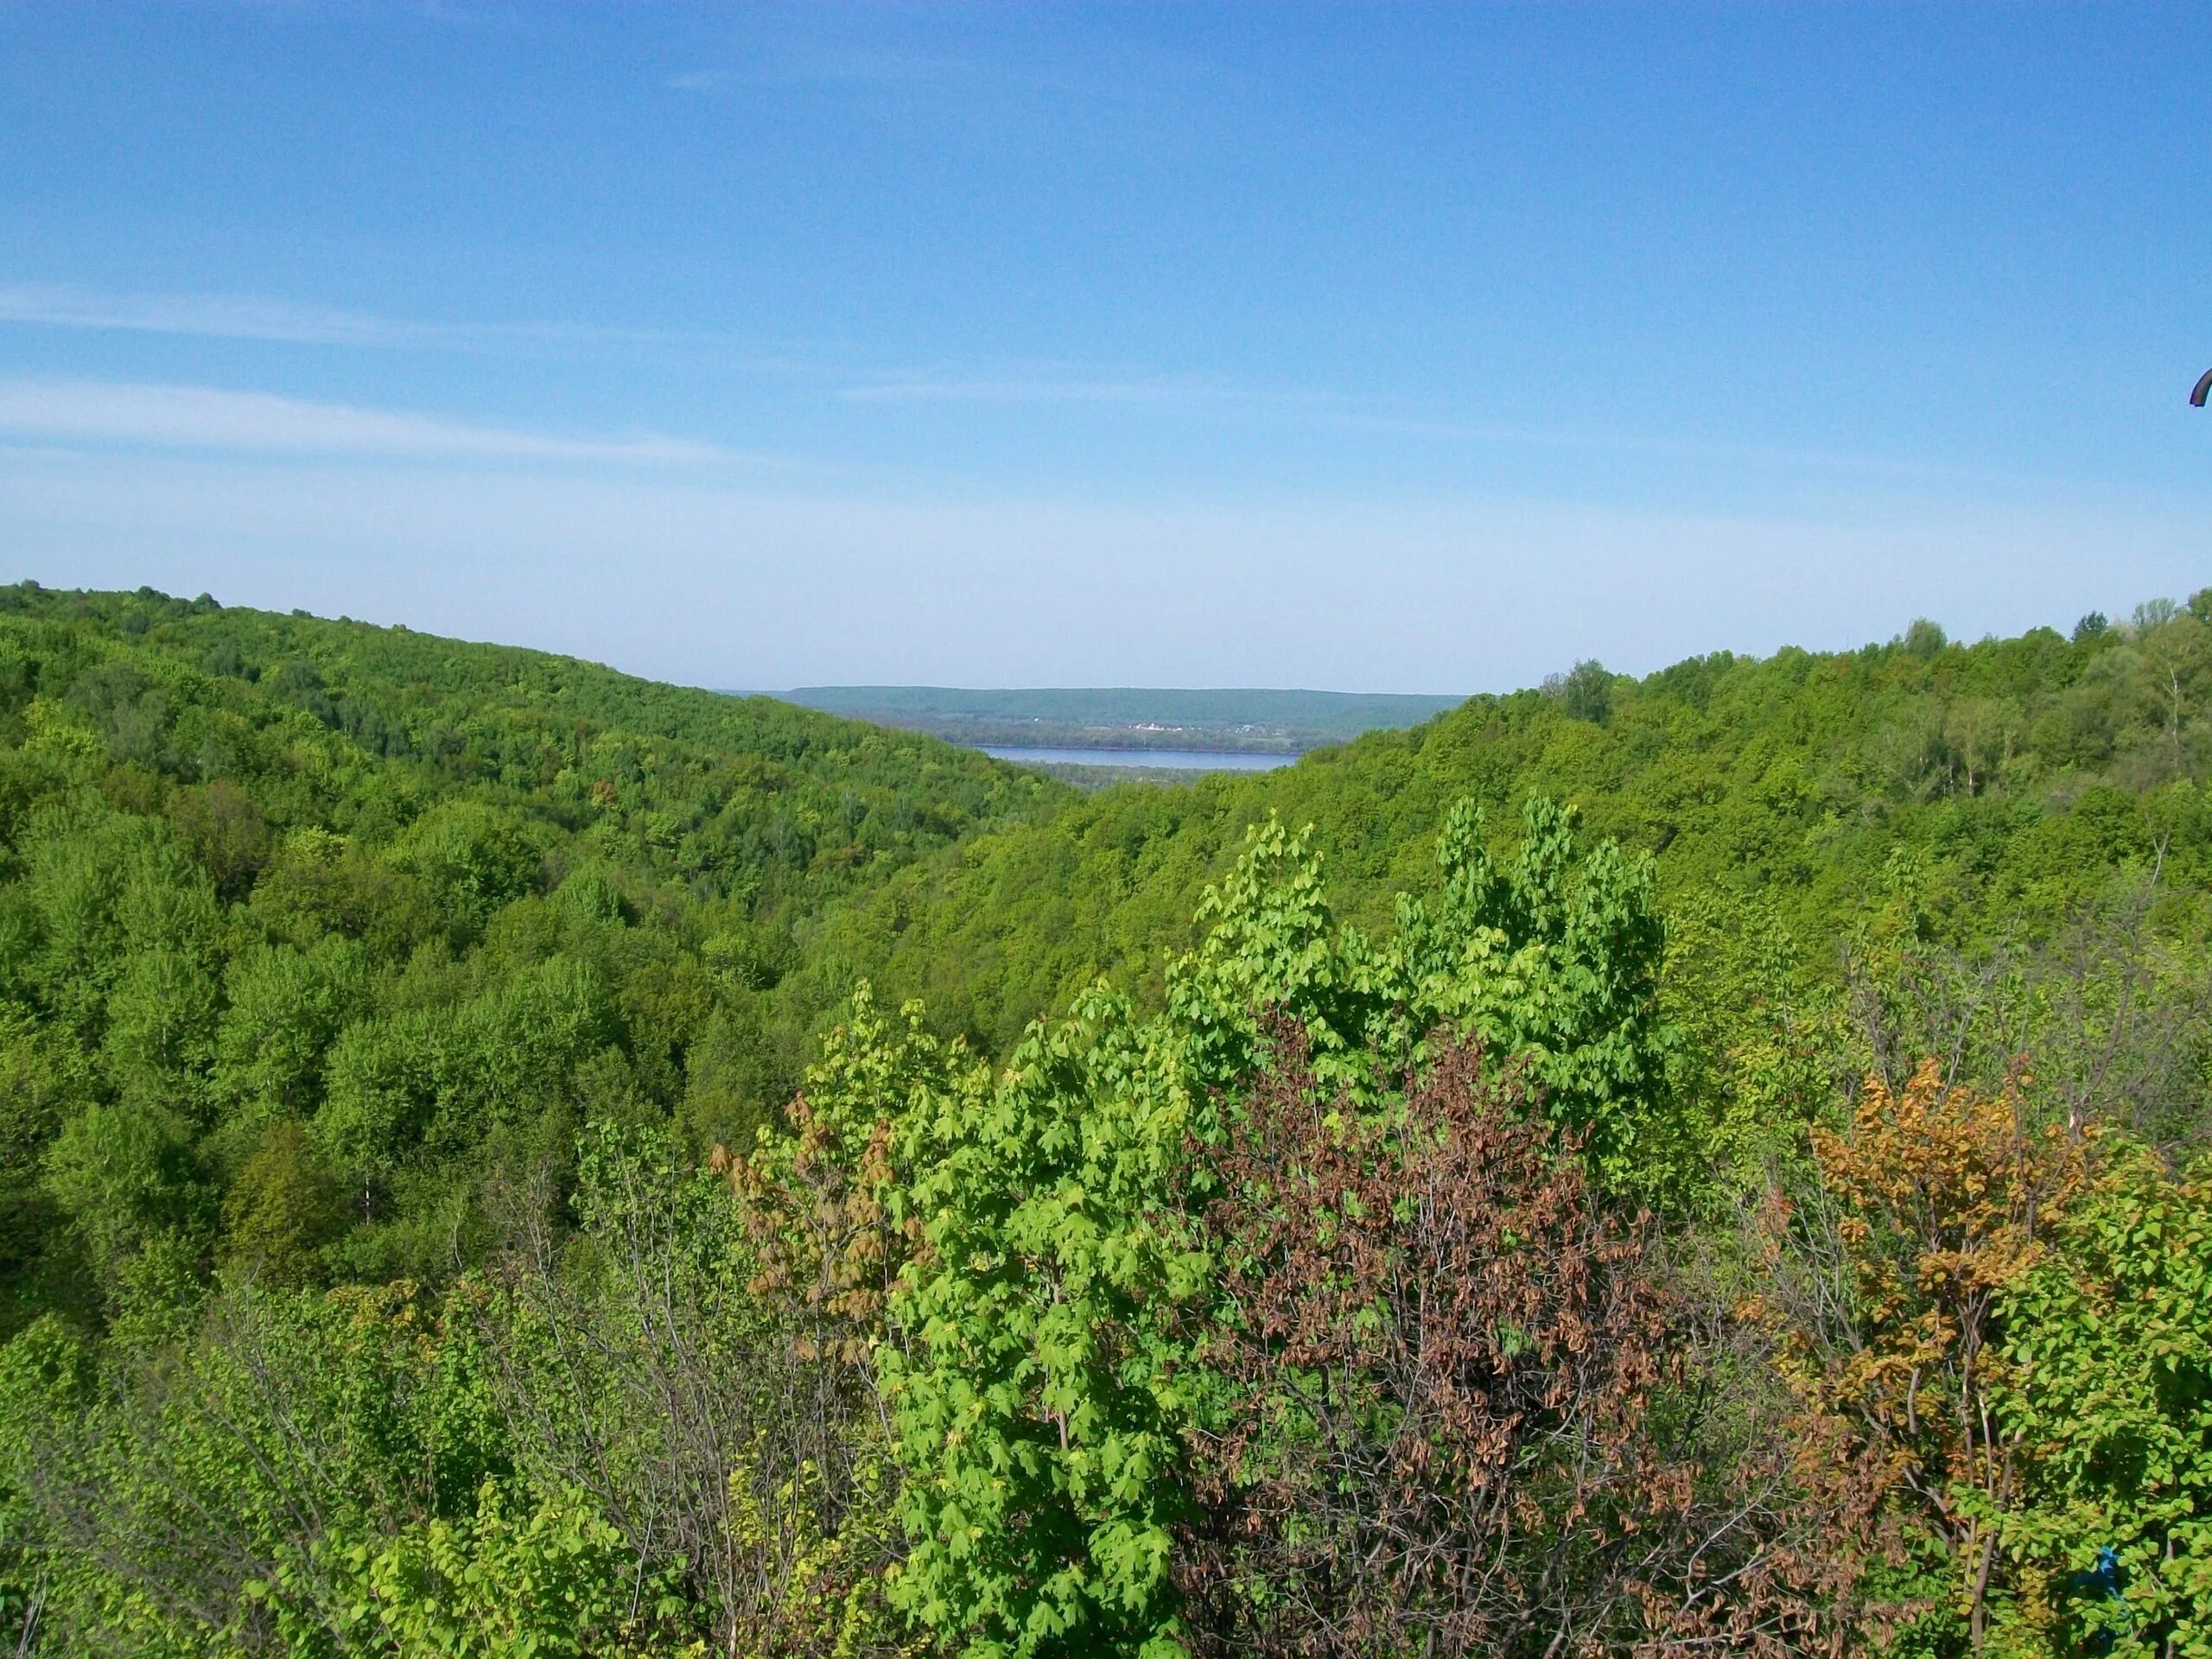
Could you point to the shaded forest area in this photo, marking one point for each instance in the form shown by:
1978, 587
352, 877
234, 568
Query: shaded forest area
505, 1158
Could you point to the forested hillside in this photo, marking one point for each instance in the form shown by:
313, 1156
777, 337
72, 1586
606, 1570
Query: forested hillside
1980, 794
1703, 1163
434, 901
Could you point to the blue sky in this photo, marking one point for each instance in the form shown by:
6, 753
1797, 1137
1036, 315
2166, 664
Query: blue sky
1373, 346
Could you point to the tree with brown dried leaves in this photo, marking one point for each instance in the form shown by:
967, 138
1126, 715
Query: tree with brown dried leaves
1437, 1356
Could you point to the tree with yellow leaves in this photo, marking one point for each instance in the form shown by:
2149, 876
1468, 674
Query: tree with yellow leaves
1934, 1203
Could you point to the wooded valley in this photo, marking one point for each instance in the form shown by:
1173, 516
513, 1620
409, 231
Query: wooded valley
505, 1158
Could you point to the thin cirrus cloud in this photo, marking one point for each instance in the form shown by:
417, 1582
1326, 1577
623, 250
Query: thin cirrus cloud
277, 321
795, 63
108, 413
173, 414
214, 316
1073, 388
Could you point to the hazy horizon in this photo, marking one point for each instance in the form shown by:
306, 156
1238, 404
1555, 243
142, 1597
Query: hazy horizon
1112, 345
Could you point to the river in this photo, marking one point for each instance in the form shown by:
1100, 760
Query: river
1177, 759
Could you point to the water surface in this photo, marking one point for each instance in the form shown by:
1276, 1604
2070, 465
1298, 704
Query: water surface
1179, 760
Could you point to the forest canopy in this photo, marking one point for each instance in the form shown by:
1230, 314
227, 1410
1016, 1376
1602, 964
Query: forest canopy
507, 1158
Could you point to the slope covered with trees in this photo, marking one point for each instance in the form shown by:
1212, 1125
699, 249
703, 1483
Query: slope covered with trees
308, 925
1712, 1163
1982, 801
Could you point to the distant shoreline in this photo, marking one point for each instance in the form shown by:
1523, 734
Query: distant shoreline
1280, 724
1163, 759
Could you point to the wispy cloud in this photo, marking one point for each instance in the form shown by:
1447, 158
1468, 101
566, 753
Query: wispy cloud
220, 316
256, 317
1076, 386
824, 64
1667, 446
1102, 388
875, 66
207, 418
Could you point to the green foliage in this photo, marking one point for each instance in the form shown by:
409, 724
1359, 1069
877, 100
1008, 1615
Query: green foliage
1556, 963
308, 1423
432, 903
283, 1206
44, 1083
1036, 1403
471, 858
1587, 693
285, 1006
539, 1578
2112, 1335
2020, 776
1043, 1383
122, 1171
1551, 960
369, 1003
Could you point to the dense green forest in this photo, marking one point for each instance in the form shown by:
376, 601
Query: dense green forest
1984, 796
428, 899
503, 1158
